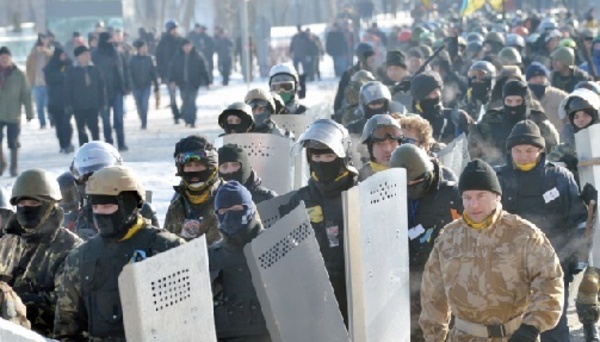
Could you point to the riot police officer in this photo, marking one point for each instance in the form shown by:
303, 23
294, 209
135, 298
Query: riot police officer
328, 148
88, 301
34, 246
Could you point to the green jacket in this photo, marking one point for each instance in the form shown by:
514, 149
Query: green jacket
13, 95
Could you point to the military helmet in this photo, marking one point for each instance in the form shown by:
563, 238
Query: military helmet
376, 121
372, 91
509, 56
5, 200
488, 69
412, 158
260, 94
495, 37
473, 48
112, 181
475, 37
547, 24
568, 43
93, 156
330, 134
564, 55
36, 184
352, 91
238, 108
515, 40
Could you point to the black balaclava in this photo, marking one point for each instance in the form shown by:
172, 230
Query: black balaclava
237, 227
325, 172
369, 112
32, 218
481, 91
518, 113
242, 127
116, 225
233, 153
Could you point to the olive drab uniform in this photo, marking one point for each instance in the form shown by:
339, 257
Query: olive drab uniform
34, 265
181, 209
88, 304
507, 273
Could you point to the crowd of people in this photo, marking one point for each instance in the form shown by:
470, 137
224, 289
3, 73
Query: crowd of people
492, 250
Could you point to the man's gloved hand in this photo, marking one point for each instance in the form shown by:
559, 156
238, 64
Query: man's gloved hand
525, 333
589, 193
570, 161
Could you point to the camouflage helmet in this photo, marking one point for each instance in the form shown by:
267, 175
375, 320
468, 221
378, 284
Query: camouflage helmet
509, 56
376, 121
112, 181
412, 158
36, 184
260, 94
564, 55
495, 37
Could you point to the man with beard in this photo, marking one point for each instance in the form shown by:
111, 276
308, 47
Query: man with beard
33, 250
487, 139
235, 166
426, 91
191, 212
433, 202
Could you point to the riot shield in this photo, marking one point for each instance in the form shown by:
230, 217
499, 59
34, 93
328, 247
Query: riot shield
269, 209
587, 143
270, 157
292, 284
455, 155
376, 248
323, 110
297, 124
12, 332
174, 285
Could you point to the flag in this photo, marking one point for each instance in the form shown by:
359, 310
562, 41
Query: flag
498, 5
471, 6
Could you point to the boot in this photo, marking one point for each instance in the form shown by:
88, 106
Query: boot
590, 332
14, 155
3, 162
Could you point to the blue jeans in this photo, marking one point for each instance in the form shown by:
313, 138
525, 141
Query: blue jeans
116, 103
40, 96
339, 65
142, 96
188, 107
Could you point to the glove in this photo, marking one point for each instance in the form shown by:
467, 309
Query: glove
570, 161
525, 333
587, 313
589, 193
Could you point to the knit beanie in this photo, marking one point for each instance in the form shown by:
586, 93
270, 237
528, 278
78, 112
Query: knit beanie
525, 132
396, 58
514, 87
234, 153
233, 193
479, 175
536, 69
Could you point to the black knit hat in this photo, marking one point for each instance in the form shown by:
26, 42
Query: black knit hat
525, 132
425, 83
80, 49
194, 143
479, 175
514, 87
234, 153
5, 51
396, 58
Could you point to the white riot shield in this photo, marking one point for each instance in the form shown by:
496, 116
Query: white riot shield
292, 284
455, 155
269, 209
323, 110
376, 243
587, 143
12, 332
270, 157
297, 124
168, 297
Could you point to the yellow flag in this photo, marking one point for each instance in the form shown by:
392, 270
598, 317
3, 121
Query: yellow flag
471, 6
497, 4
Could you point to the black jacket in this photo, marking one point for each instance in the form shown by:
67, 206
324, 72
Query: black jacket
224, 49
165, 50
344, 81
259, 193
113, 67
55, 73
78, 95
336, 44
197, 69
143, 72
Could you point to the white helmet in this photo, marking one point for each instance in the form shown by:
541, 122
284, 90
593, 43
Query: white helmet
93, 156
283, 68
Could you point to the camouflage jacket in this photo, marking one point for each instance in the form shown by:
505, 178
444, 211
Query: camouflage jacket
181, 210
490, 276
12, 308
88, 304
487, 139
32, 264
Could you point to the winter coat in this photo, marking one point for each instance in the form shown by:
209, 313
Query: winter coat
335, 43
56, 76
344, 81
31, 65
490, 276
165, 50
143, 72
34, 263
550, 102
203, 43
14, 94
224, 49
114, 69
78, 95
197, 70
568, 83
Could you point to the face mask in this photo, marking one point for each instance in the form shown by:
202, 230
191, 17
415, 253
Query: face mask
235, 226
327, 172
286, 96
203, 177
515, 114
260, 120
431, 107
110, 225
539, 90
369, 112
30, 217
481, 91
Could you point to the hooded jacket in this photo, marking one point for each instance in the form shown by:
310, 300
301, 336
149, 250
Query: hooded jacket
113, 67
56, 75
